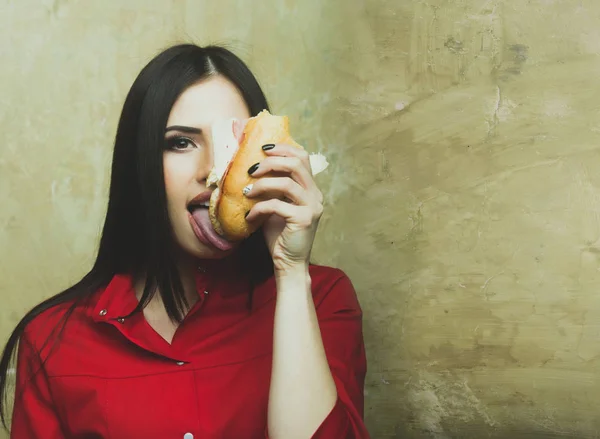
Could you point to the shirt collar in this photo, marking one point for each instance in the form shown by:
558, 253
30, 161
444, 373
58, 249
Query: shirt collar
225, 277
117, 299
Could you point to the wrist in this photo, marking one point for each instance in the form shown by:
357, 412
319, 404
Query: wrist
297, 275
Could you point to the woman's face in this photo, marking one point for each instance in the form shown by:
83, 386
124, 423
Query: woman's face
188, 158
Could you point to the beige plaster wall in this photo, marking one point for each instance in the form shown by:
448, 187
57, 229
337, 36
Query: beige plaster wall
462, 198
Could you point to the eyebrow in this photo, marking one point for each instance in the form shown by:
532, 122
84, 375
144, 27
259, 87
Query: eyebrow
184, 129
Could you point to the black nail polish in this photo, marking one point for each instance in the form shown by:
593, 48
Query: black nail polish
268, 146
253, 168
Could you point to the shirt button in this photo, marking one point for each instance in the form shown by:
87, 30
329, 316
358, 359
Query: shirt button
188, 436
103, 312
181, 363
206, 292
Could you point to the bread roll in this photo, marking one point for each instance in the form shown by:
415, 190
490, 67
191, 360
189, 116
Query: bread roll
228, 205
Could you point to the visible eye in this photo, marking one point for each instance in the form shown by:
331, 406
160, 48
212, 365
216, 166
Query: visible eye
180, 143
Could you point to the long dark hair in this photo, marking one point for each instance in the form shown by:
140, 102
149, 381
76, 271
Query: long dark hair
137, 236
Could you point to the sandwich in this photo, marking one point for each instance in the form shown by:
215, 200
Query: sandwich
234, 154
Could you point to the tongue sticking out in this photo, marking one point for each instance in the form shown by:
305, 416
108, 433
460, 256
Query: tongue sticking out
202, 219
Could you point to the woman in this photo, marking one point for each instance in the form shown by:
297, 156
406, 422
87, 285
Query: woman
170, 337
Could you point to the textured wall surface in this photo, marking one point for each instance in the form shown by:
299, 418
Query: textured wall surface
462, 198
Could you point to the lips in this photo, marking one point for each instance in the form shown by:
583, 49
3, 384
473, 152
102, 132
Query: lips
200, 200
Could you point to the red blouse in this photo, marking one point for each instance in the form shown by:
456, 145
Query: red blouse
115, 378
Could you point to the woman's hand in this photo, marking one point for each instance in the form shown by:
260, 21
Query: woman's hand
291, 208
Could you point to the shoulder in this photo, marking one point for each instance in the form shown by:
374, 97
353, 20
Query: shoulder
332, 288
53, 317
324, 273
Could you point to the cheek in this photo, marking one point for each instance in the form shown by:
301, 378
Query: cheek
175, 178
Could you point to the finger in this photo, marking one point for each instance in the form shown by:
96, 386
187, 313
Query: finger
285, 150
278, 187
291, 166
298, 215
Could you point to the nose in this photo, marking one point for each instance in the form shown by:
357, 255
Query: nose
205, 162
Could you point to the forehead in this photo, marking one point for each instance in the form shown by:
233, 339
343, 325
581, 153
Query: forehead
206, 102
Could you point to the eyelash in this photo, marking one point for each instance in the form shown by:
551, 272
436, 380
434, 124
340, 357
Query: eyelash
172, 143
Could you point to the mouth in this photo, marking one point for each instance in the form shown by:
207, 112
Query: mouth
194, 206
202, 200
201, 224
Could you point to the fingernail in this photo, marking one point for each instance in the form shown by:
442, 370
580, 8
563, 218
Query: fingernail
247, 189
253, 168
268, 146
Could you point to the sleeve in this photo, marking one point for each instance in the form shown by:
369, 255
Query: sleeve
34, 416
340, 319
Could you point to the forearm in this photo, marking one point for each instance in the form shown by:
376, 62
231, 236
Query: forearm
302, 391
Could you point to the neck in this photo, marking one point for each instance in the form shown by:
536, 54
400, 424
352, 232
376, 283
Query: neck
189, 268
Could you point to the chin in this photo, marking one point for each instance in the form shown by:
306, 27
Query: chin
193, 246
201, 251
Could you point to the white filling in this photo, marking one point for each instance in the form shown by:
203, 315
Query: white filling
225, 145
318, 163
